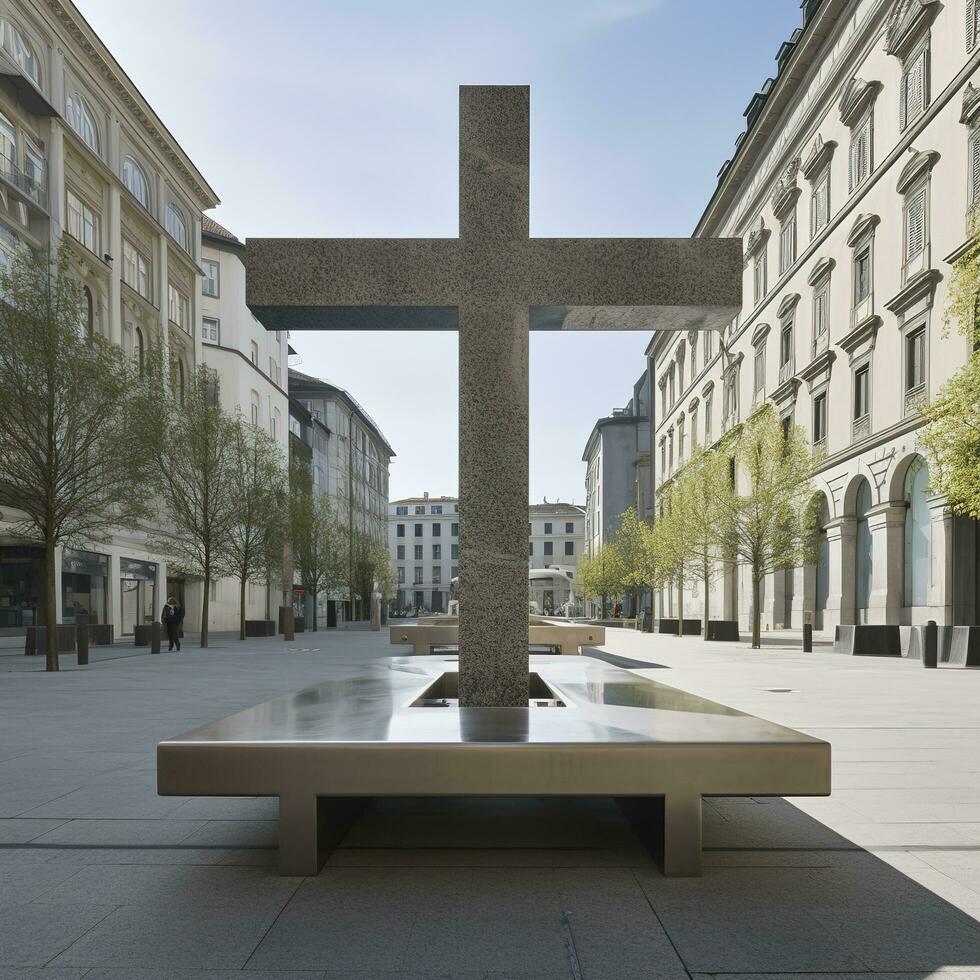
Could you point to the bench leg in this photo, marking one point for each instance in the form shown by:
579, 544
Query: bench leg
298, 838
682, 836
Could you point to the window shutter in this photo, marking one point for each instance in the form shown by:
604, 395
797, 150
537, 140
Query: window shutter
975, 164
851, 168
903, 98
915, 225
971, 24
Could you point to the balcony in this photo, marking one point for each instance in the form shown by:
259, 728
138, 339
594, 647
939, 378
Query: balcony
819, 345
787, 370
860, 428
25, 186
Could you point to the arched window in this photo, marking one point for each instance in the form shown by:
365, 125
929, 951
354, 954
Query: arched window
89, 312
255, 408
139, 349
80, 118
863, 564
276, 423
176, 225
135, 180
22, 51
823, 565
917, 526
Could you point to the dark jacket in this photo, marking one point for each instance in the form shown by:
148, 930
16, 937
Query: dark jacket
172, 615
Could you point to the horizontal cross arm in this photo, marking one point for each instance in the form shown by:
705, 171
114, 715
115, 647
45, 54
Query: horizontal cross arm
353, 284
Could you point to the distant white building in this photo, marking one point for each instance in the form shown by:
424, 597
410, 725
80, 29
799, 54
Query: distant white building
556, 539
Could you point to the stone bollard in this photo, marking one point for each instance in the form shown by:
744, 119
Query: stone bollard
288, 625
807, 638
81, 638
930, 644
155, 629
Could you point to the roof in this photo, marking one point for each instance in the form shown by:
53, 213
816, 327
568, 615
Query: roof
299, 381
425, 500
215, 232
556, 508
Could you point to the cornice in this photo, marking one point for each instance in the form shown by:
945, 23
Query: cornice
819, 365
918, 287
757, 238
863, 333
970, 104
856, 97
821, 153
760, 333
907, 20
786, 305
863, 225
787, 190
125, 93
821, 270
922, 162
785, 392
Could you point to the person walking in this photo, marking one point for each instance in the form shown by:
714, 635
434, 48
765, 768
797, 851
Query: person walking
172, 617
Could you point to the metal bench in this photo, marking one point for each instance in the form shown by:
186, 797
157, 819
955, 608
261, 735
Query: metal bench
393, 729
562, 637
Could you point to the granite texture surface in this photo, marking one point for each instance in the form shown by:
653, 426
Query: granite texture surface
494, 284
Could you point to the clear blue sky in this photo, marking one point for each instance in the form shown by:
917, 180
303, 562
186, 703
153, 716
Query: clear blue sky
339, 118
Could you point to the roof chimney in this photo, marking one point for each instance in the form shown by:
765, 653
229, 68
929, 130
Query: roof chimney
425, 495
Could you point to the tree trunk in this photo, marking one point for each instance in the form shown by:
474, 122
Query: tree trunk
756, 611
51, 613
241, 606
707, 577
680, 603
204, 608
313, 596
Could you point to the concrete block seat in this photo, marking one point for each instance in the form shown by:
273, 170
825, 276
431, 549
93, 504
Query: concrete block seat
567, 638
396, 729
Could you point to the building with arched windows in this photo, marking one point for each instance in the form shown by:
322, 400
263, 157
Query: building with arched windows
84, 158
850, 189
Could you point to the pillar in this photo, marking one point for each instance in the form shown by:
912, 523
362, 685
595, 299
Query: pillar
886, 522
115, 593
115, 269
493, 398
59, 597
56, 181
943, 545
841, 535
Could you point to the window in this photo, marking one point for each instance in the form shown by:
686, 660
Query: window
759, 278
569, 547
821, 307
547, 527
862, 274
418, 552
400, 552
670, 384
400, 510
454, 530
136, 269
418, 575
820, 418
569, 527
914, 91
418, 530
549, 548
454, 551
210, 330
178, 307
79, 117
437, 552
255, 408
274, 371
33, 169
787, 242
400, 530
22, 51
760, 368
436, 575
915, 360
83, 222
89, 310
176, 225
786, 345
530, 549
8, 143
437, 530
254, 355
915, 225
680, 440
134, 180
138, 348
401, 575
862, 391
181, 382
435, 509
211, 277
861, 161
820, 202
707, 421
975, 161
694, 429
694, 358
972, 24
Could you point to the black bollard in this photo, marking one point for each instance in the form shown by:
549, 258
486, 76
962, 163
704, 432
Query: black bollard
808, 638
154, 637
81, 638
930, 644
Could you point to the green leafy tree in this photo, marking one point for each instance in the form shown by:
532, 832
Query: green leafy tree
771, 525
691, 533
73, 462
371, 570
197, 481
637, 558
261, 493
601, 575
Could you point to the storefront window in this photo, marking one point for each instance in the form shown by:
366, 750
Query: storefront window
84, 586
21, 588
137, 587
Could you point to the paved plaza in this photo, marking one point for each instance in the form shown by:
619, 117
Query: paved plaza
102, 878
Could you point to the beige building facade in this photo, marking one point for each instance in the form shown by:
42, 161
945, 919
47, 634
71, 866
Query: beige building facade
851, 190
84, 157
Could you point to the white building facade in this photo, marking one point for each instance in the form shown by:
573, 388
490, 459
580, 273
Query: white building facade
556, 541
84, 156
851, 190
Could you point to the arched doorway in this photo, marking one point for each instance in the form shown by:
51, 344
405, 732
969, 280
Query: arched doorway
822, 577
862, 555
917, 535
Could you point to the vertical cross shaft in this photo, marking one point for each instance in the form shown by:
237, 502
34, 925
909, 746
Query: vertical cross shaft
494, 134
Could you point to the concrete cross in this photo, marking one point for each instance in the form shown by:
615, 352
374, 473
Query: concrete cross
493, 283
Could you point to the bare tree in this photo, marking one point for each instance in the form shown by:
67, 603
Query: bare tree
260, 490
197, 481
73, 462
